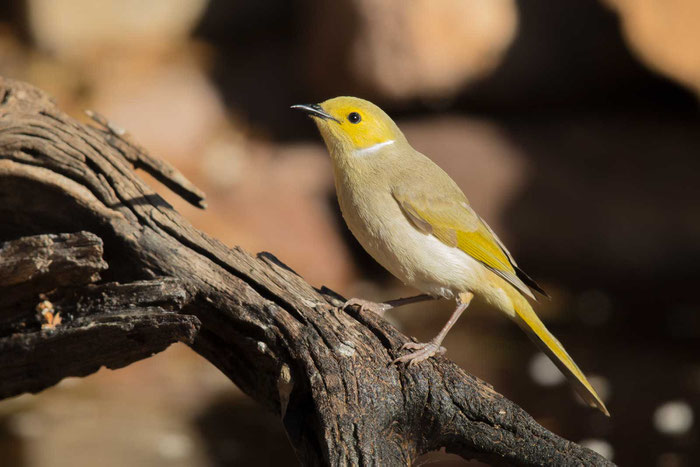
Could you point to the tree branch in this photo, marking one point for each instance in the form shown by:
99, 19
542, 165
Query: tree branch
325, 371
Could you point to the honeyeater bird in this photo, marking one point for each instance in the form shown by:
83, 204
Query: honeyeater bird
414, 220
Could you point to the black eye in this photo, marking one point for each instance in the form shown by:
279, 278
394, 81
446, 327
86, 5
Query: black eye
354, 117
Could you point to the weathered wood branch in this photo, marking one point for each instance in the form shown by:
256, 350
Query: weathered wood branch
144, 277
76, 326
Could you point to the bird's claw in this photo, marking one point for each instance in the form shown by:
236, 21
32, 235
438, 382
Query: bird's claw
423, 351
366, 305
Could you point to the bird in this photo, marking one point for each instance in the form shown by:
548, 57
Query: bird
416, 222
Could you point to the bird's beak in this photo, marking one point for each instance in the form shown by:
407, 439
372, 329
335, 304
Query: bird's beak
314, 110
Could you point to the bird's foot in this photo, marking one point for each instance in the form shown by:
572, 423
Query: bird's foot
366, 305
423, 351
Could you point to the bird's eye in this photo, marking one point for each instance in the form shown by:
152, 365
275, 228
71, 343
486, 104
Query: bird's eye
354, 117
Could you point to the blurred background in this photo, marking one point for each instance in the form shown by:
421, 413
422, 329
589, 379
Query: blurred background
573, 128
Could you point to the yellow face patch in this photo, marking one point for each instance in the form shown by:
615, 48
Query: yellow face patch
360, 124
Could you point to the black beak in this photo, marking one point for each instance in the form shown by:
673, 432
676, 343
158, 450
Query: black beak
314, 110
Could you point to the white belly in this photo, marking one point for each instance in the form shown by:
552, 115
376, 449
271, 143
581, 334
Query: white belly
418, 260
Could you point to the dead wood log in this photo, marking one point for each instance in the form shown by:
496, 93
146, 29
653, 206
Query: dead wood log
144, 277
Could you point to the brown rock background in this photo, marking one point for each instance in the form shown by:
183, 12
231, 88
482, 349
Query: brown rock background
573, 127
665, 35
402, 50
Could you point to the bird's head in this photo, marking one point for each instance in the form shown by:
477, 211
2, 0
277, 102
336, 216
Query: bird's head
350, 125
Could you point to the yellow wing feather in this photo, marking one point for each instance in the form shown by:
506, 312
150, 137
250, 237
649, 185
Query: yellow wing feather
456, 224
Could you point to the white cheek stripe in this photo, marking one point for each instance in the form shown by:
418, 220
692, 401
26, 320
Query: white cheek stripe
372, 149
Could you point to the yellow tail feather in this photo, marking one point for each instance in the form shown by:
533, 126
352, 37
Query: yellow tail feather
527, 319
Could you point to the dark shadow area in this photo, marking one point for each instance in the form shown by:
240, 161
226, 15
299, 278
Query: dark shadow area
12, 446
6, 8
571, 58
257, 61
14, 14
237, 432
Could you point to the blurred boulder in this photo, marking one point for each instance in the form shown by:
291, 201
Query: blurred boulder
74, 28
611, 202
125, 59
399, 50
280, 204
665, 34
170, 106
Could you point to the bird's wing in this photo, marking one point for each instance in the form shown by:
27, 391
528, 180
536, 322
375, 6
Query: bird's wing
454, 222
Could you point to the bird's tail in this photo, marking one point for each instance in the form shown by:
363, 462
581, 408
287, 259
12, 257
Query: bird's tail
527, 319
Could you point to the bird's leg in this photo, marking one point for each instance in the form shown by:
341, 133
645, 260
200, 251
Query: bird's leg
423, 351
381, 308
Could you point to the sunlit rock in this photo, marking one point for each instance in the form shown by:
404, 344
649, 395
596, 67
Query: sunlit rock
399, 49
665, 34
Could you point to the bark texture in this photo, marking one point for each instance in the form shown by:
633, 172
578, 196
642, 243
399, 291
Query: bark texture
96, 269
